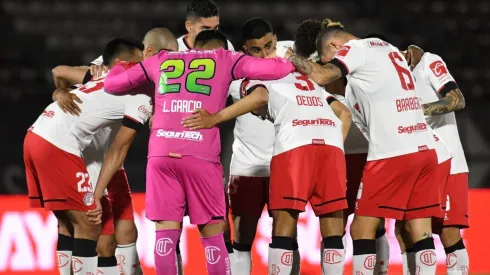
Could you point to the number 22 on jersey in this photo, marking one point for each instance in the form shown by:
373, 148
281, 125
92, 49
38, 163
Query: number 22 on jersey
200, 69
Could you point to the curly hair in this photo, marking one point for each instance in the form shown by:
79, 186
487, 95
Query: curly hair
202, 9
305, 37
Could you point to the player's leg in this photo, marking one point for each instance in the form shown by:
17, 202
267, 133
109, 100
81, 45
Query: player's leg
405, 243
66, 186
248, 195
457, 260
64, 247
354, 165
384, 192
227, 229
165, 204
207, 208
106, 244
425, 203
291, 185
125, 229
382, 250
328, 202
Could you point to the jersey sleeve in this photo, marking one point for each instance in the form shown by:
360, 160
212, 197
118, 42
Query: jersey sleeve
350, 57
438, 75
329, 97
244, 66
125, 76
137, 110
248, 86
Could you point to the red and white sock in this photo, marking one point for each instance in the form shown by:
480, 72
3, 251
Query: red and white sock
333, 255
382, 253
128, 261
84, 258
281, 255
457, 260
364, 257
64, 249
425, 257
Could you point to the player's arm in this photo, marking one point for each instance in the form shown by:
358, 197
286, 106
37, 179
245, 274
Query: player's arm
244, 66
201, 119
112, 163
322, 75
343, 113
451, 97
453, 100
125, 76
67, 76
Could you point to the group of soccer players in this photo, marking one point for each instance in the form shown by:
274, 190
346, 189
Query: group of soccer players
294, 103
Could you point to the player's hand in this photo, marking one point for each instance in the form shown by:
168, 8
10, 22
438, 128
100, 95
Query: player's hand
68, 102
413, 55
98, 70
95, 215
200, 119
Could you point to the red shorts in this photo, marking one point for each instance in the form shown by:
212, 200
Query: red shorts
120, 196
455, 203
354, 164
107, 227
248, 195
314, 173
56, 180
403, 188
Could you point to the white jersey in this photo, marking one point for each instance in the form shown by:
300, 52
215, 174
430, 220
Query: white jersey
388, 100
99, 110
184, 46
253, 138
253, 142
433, 77
301, 113
356, 142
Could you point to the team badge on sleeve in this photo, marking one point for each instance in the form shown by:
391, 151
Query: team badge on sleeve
438, 68
343, 51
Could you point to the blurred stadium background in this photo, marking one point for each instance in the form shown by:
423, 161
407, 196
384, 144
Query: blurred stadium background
38, 35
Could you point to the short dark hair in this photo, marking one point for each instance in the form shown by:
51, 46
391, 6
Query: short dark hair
202, 9
255, 28
207, 36
329, 29
305, 37
117, 46
377, 35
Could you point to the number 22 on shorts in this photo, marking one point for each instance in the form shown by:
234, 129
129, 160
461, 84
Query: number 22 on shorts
201, 69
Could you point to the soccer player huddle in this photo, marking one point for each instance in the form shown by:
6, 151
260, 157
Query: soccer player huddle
295, 143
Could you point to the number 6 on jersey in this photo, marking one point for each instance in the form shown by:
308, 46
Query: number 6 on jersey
201, 69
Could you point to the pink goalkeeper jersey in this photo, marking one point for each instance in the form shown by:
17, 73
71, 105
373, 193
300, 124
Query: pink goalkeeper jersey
185, 81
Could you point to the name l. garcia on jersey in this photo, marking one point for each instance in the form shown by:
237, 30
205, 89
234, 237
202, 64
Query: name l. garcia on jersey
181, 106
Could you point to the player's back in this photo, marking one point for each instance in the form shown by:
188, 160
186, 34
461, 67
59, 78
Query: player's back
301, 113
99, 110
186, 81
385, 90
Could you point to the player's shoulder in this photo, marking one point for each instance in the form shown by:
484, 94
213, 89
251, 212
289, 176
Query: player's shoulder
430, 58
